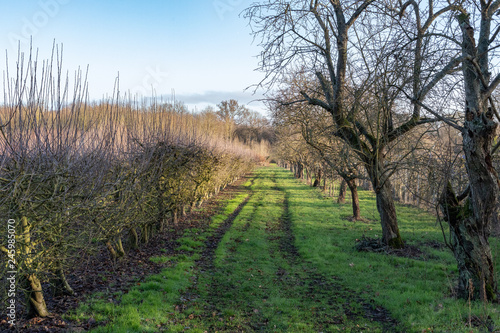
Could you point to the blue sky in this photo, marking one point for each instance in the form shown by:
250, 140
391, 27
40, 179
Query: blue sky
200, 48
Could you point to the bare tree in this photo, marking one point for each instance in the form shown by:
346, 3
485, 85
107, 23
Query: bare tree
470, 221
348, 48
315, 127
232, 113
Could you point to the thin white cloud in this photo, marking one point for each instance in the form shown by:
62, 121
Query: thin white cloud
215, 97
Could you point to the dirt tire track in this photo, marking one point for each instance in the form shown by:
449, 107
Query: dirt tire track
207, 257
318, 284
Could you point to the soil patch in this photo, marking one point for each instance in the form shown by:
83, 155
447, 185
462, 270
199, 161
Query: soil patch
368, 244
287, 242
206, 262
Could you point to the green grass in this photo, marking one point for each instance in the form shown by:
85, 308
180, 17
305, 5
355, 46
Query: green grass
254, 287
417, 293
161, 260
255, 283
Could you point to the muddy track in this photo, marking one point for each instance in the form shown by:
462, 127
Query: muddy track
206, 261
205, 264
320, 286
287, 242
207, 257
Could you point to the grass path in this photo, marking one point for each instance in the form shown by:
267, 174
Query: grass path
281, 258
258, 281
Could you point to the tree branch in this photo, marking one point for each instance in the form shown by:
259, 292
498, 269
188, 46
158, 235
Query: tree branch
316, 101
448, 69
291, 103
408, 126
439, 117
358, 12
494, 35
494, 84
493, 8
362, 130
464, 194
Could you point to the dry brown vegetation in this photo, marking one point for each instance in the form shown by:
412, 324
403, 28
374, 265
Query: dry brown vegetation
76, 176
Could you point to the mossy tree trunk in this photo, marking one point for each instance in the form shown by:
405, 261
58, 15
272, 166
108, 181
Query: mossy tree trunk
145, 233
388, 217
61, 284
133, 239
38, 307
471, 249
175, 216
356, 211
36, 298
342, 192
385, 202
470, 223
317, 181
111, 249
119, 246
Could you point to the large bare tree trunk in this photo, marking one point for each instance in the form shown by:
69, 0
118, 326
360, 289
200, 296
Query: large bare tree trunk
385, 204
356, 211
342, 191
470, 223
308, 176
388, 217
472, 249
299, 171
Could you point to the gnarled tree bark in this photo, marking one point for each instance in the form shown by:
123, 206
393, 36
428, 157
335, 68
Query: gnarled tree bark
356, 211
470, 222
342, 191
385, 203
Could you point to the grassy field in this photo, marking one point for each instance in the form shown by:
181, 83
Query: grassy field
282, 258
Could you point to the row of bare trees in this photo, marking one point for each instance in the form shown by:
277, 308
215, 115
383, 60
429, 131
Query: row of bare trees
76, 176
384, 72
421, 165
